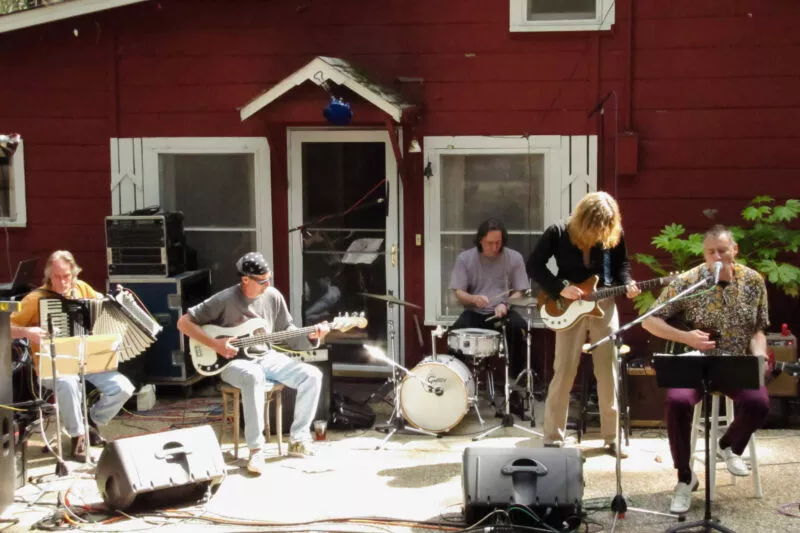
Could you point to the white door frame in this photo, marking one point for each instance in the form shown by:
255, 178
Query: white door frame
295, 138
257, 146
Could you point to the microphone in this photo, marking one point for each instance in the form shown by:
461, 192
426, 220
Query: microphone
717, 270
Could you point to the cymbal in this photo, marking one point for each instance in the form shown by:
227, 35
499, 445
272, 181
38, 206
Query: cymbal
389, 298
523, 301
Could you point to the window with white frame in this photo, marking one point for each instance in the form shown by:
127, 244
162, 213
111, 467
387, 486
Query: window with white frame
13, 211
527, 182
561, 15
221, 185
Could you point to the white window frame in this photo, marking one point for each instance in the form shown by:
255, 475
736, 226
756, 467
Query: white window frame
17, 190
436, 147
152, 147
519, 22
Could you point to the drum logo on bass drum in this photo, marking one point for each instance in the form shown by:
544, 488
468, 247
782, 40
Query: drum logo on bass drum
435, 380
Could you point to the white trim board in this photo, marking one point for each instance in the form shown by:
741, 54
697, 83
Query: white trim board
64, 10
323, 69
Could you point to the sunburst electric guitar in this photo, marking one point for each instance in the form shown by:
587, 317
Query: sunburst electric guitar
563, 313
250, 338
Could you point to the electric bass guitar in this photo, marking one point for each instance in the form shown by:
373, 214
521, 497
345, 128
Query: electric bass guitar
251, 337
562, 313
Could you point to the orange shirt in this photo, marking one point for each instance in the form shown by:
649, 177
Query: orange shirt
28, 316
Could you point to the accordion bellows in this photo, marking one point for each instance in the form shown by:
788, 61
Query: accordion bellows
120, 314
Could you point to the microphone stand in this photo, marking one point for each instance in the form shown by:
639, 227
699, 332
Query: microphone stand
61, 466
618, 504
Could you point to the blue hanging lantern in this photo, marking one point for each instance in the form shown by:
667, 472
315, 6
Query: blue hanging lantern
338, 112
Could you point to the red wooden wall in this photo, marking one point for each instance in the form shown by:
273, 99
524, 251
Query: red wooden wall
710, 86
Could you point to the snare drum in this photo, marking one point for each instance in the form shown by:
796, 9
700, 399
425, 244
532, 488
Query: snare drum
474, 342
437, 411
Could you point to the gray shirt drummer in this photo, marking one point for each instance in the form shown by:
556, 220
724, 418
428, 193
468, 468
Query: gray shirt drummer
493, 277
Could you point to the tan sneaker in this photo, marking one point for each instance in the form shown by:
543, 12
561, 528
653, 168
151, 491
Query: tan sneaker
612, 449
301, 449
257, 462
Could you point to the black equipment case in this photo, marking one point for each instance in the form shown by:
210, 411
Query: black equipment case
549, 481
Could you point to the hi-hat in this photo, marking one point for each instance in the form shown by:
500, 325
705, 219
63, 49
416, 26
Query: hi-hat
523, 301
389, 298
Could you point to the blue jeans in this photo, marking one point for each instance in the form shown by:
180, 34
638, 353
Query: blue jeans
115, 389
251, 378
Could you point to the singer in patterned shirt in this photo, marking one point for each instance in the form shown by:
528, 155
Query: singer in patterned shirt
736, 307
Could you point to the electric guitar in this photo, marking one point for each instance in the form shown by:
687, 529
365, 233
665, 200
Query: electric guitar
562, 313
250, 338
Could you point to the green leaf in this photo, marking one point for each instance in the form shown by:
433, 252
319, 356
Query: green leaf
644, 301
756, 213
762, 200
651, 262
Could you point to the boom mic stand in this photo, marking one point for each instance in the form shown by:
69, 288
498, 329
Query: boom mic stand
618, 504
396, 421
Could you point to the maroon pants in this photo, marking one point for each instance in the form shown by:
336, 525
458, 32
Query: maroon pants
750, 408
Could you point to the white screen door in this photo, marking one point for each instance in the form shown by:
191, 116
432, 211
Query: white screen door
342, 198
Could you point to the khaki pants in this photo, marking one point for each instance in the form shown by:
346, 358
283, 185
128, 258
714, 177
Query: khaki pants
565, 367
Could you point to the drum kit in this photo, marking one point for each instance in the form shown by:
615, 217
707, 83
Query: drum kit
436, 395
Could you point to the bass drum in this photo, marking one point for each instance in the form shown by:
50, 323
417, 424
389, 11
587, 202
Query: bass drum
442, 410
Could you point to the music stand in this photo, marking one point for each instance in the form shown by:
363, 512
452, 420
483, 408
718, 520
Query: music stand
709, 373
82, 355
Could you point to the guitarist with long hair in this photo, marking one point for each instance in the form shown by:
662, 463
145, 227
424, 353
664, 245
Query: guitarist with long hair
736, 308
589, 243
254, 298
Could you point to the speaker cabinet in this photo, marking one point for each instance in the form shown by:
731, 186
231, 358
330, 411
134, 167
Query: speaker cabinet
646, 400
547, 480
160, 468
7, 438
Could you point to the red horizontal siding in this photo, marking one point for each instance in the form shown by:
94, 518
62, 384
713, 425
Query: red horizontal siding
718, 93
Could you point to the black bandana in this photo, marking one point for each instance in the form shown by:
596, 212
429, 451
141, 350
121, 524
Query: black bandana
252, 264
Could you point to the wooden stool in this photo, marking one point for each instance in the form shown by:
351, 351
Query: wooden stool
231, 396
718, 424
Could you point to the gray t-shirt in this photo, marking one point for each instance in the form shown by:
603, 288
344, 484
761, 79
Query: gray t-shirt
477, 274
230, 308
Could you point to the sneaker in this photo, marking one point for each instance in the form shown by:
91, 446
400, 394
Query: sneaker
301, 449
257, 462
95, 439
735, 463
682, 499
612, 449
79, 452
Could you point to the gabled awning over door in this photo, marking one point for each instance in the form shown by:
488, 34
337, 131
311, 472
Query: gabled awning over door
334, 70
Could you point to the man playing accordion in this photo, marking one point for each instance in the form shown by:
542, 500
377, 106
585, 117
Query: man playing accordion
61, 279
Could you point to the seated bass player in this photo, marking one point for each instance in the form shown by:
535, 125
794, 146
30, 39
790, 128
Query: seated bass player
254, 298
737, 308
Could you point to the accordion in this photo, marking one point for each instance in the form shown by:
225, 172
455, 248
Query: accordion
121, 315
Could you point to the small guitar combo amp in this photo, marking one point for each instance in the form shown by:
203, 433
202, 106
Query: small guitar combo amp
546, 481
784, 346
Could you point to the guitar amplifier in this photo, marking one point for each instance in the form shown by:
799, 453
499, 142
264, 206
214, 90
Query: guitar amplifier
151, 245
784, 347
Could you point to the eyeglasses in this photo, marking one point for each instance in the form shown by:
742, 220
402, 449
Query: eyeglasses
264, 281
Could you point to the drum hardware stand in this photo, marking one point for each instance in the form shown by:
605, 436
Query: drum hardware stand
618, 504
508, 418
396, 421
528, 372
